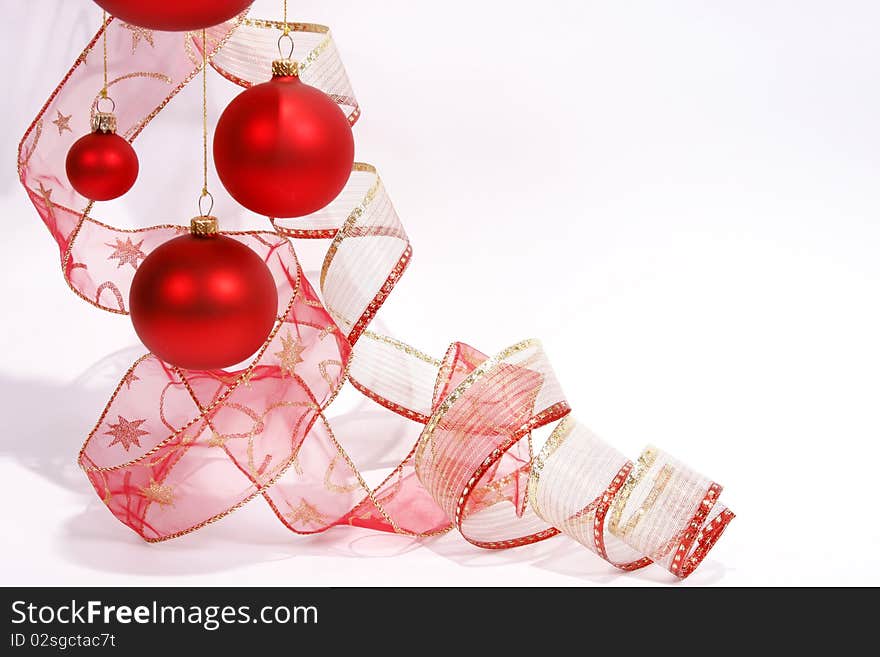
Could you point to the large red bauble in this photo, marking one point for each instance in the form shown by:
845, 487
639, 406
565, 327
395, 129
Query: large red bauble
203, 303
174, 15
283, 148
102, 166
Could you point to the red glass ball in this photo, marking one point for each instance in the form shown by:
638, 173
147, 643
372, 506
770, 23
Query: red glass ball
102, 166
174, 15
203, 303
283, 148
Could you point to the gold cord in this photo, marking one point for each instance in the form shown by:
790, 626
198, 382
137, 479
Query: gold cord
104, 90
286, 24
204, 113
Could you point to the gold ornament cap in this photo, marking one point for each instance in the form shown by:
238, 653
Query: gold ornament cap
104, 122
285, 68
204, 226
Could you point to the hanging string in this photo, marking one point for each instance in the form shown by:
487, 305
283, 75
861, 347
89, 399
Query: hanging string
286, 34
205, 193
104, 90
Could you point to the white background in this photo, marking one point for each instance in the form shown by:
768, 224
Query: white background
678, 197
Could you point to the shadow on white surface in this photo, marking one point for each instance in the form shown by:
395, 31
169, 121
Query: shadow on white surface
50, 420
94, 540
563, 556
46, 443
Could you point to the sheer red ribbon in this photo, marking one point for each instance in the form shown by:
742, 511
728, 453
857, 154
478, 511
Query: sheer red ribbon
175, 450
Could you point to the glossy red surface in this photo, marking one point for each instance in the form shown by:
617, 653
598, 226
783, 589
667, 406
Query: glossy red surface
174, 15
283, 148
102, 166
203, 303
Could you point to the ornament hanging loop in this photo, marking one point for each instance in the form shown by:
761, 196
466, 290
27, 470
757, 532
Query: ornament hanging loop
104, 97
205, 225
290, 46
103, 117
209, 198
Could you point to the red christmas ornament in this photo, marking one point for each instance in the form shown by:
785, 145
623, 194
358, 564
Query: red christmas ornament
174, 15
102, 165
283, 148
203, 301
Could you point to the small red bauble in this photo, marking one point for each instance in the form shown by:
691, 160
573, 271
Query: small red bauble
174, 15
203, 302
102, 166
283, 148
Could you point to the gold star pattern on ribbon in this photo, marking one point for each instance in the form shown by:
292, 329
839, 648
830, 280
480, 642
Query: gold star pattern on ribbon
138, 33
291, 354
127, 253
306, 513
63, 122
46, 195
161, 495
126, 432
130, 378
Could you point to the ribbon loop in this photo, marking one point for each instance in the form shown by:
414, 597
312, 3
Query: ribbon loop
175, 450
